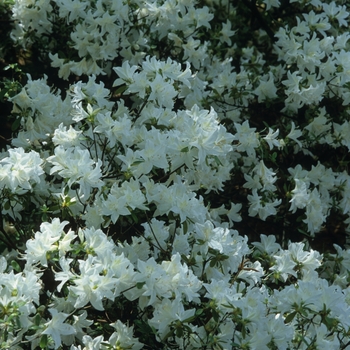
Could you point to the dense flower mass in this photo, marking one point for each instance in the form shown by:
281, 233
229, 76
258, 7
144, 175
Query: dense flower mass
175, 172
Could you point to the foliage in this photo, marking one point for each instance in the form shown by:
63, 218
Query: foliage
177, 176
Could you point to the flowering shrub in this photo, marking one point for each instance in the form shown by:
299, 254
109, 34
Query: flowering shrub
150, 145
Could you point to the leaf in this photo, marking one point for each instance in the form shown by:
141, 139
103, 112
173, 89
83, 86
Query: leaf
15, 125
304, 312
290, 317
213, 262
215, 314
139, 285
55, 208
329, 322
37, 320
185, 227
199, 312
16, 266
121, 89
179, 332
43, 342
218, 161
134, 217
274, 157
138, 162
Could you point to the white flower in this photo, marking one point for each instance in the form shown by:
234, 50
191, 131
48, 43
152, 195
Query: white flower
86, 66
66, 138
71, 9
76, 165
182, 282
271, 140
140, 84
162, 92
271, 3
342, 131
123, 337
267, 245
222, 292
281, 333
154, 155
64, 67
95, 241
126, 74
194, 52
266, 176
56, 327
157, 232
316, 209
81, 323
260, 206
233, 213
65, 275
252, 182
20, 170
168, 311
226, 33
294, 134
43, 241
266, 88
155, 280
317, 22
307, 260
252, 273
284, 265
93, 285
300, 197
247, 139
92, 343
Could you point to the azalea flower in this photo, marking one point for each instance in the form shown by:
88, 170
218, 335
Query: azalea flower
56, 327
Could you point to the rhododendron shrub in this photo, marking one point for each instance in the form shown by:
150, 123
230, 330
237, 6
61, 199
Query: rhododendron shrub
173, 169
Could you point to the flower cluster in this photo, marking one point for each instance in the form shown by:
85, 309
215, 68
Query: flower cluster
153, 150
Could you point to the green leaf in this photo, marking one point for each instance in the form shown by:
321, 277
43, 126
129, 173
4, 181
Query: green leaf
55, 207
199, 312
215, 315
121, 89
290, 317
16, 266
134, 217
218, 161
15, 125
43, 342
37, 319
179, 332
139, 285
138, 162
304, 312
185, 227
329, 322
213, 262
